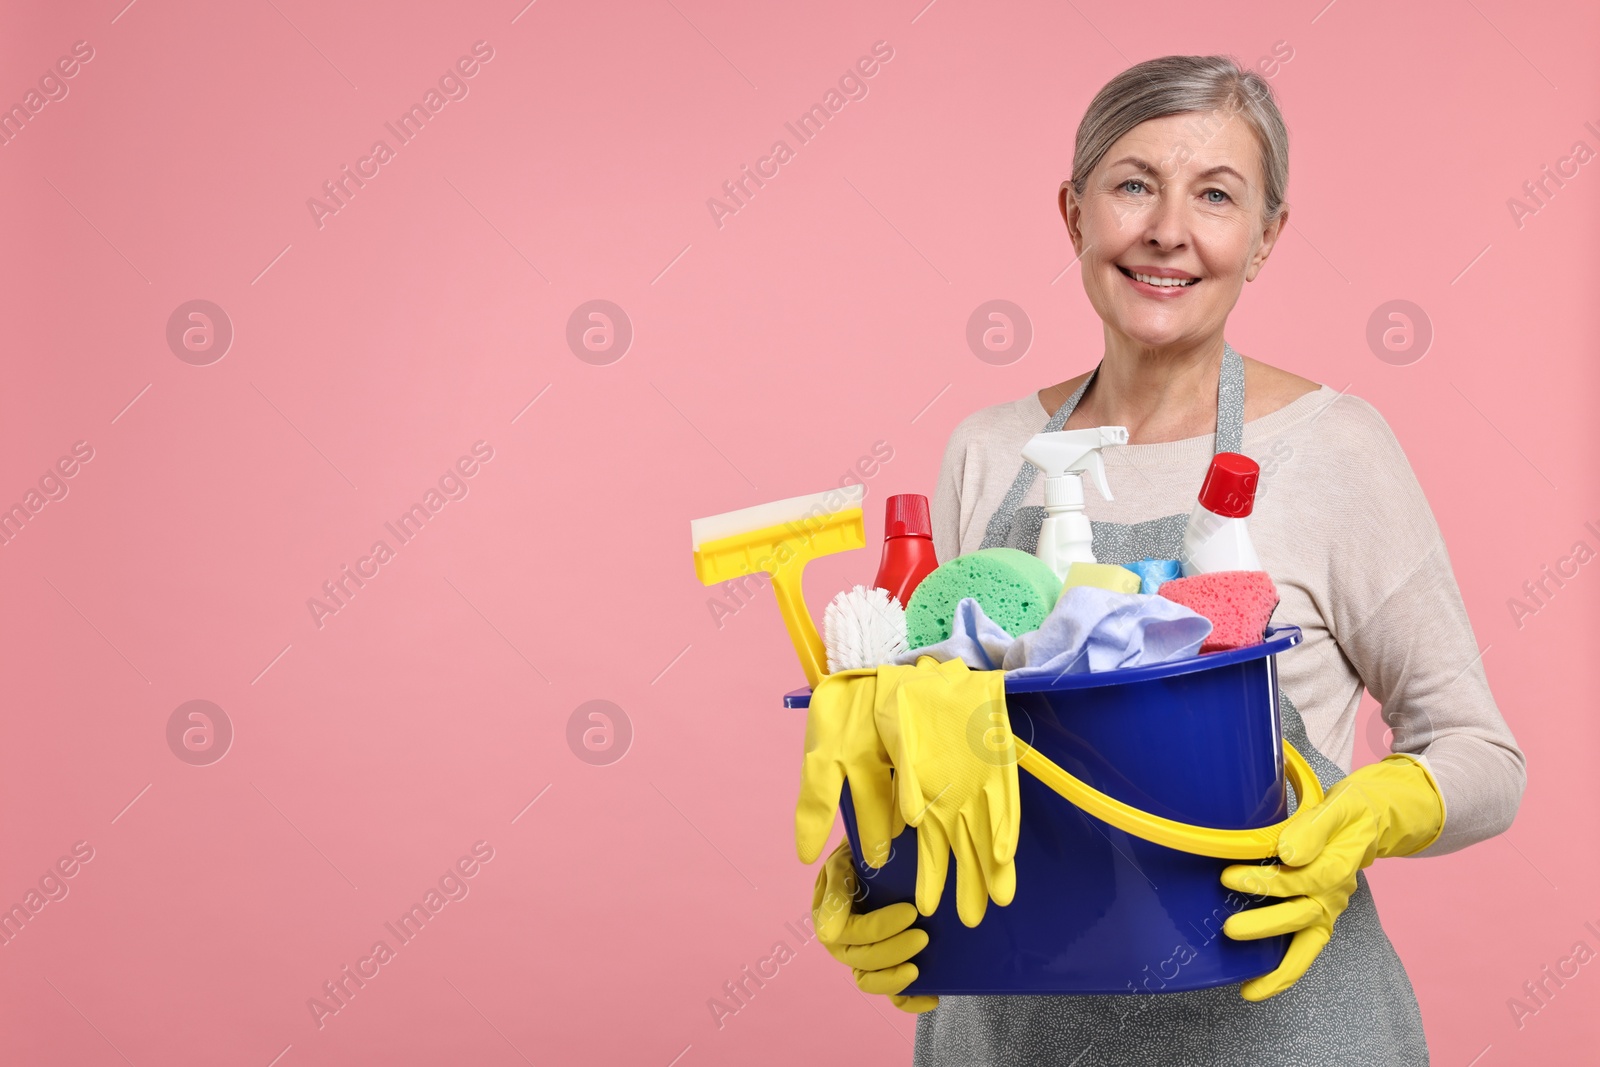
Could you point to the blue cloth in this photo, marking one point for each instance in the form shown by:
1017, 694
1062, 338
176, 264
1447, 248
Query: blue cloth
1152, 572
1089, 629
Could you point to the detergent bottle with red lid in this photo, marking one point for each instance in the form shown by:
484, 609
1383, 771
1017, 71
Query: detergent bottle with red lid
1217, 537
907, 546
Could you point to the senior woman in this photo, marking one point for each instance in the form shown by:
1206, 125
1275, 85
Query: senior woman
1176, 200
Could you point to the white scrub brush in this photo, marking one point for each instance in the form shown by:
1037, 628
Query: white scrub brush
863, 628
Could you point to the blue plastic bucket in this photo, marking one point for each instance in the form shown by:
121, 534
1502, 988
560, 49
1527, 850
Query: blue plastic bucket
1098, 910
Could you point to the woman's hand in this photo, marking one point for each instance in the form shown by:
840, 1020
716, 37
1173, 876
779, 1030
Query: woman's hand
877, 945
1390, 808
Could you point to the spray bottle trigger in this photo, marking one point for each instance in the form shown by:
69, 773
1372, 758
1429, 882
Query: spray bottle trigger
1095, 465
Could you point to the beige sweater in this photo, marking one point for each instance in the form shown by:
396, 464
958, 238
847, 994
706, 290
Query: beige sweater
1346, 533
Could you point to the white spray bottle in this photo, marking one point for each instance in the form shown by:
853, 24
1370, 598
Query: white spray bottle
1066, 536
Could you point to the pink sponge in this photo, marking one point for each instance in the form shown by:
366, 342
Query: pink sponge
1238, 603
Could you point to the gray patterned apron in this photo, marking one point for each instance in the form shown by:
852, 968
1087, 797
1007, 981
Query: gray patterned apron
1355, 1006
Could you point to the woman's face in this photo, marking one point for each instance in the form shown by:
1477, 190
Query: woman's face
1180, 197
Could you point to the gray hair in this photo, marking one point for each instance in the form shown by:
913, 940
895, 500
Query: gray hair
1175, 85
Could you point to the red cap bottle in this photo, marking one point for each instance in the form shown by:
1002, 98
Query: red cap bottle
1230, 486
1218, 537
907, 546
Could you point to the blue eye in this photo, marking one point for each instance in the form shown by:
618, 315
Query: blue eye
1225, 196
1131, 181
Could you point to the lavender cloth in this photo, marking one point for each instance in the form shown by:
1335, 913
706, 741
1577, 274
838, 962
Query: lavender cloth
1089, 629
1094, 629
975, 639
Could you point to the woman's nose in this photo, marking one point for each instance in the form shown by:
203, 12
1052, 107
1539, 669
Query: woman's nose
1166, 223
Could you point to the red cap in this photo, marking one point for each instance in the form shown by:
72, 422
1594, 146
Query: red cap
1230, 485
906, 515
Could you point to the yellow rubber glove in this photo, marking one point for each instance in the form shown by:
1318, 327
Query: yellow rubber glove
949, 738
842, 745
877, 945
1389, 808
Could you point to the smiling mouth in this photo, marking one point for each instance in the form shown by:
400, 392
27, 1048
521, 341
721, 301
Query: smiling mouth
1160, 283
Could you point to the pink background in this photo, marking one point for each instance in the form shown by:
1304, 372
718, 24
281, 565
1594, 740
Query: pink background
769, 353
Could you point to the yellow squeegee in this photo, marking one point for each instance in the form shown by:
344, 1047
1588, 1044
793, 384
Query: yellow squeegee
781, 538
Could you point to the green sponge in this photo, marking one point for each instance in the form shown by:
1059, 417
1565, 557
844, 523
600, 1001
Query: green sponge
1014, 589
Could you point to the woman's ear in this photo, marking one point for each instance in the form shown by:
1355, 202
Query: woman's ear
1269, 239
1070, 211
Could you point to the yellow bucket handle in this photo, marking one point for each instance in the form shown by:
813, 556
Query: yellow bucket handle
1260, 843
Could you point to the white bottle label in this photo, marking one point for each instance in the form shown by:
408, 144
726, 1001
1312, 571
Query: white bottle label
1216, 543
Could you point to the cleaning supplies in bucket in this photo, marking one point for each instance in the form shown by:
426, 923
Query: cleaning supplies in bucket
1089, 629
1140, 785
901, 746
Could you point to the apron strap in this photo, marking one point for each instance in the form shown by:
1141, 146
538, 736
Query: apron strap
1230, 402
1229, 438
